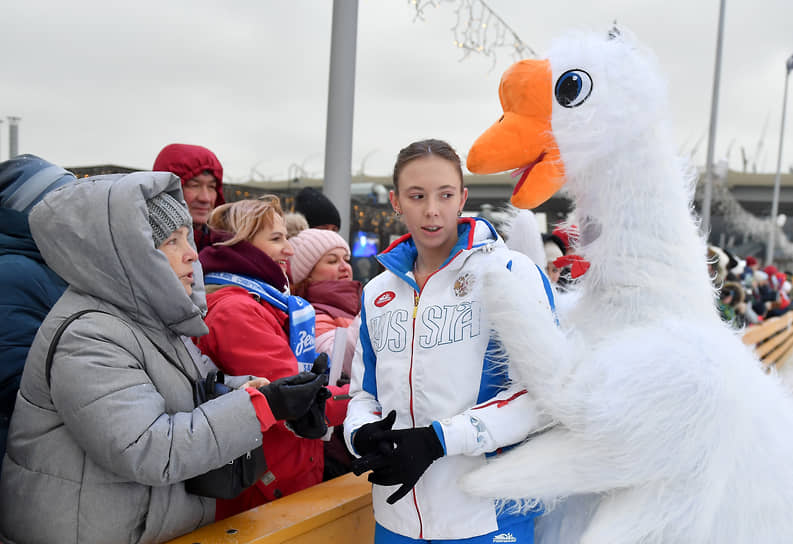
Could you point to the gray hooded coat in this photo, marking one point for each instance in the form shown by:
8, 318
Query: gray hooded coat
101, 454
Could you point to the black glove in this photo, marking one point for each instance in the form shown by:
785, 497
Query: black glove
313, 424
293, 396
321, 365
402, 458
365, 438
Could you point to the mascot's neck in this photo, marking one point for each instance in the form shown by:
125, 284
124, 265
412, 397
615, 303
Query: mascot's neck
638, 232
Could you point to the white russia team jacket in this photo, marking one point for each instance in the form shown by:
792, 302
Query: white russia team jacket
425, 355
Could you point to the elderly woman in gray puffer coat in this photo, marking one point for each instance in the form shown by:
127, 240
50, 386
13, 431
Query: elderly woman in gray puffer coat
102, 452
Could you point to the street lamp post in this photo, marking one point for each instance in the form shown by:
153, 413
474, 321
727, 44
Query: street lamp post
341, 104
714, 109
769, 254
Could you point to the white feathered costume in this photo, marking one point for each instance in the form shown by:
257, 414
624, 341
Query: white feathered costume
669, 432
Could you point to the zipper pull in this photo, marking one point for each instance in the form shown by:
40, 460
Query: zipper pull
415, 303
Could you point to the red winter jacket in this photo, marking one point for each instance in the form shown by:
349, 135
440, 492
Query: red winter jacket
248, 337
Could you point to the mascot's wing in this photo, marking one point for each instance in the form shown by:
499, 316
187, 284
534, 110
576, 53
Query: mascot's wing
541, 357
533, 343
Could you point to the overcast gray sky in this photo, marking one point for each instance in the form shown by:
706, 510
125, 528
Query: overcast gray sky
104, 82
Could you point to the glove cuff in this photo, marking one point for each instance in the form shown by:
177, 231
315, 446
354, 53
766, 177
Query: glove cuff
438, 430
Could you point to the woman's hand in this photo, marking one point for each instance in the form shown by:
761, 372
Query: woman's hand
256, 383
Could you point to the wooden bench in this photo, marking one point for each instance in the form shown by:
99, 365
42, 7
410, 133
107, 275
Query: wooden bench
337, 511
772, 340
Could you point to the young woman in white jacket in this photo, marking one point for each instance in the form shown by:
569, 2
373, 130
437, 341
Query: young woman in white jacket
430, 401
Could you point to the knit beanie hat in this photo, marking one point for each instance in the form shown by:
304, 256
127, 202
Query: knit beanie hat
316, 208
310, 245
166, 214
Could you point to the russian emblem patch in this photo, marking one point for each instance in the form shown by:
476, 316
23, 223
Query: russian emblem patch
463, 284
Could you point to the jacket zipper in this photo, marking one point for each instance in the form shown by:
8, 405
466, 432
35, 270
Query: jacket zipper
416, 297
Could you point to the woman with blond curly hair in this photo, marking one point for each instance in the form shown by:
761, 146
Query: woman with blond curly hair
244, 266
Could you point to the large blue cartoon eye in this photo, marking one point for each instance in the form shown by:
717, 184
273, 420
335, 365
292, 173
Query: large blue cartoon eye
573, 88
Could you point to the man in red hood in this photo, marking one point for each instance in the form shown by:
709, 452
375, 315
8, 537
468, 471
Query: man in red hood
202, 182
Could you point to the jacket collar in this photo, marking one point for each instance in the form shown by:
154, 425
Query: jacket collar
472, 233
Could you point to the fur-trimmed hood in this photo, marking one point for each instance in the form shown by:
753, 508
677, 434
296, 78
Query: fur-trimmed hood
472, 233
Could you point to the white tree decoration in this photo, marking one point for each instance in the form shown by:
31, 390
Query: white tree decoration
479, 29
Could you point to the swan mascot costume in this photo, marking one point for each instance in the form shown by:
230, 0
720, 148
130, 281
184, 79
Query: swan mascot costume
668, 430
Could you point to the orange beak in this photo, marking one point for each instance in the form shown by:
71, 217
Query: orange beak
522, 138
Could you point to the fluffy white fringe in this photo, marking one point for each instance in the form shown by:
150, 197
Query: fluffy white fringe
668, 432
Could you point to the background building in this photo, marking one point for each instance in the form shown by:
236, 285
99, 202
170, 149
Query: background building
741, 201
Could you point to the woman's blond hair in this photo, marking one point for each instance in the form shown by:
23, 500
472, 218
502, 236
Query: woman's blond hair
295, 223
244, 218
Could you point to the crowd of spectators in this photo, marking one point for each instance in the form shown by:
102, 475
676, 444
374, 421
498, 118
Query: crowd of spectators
747, 293
298, 254
254, 346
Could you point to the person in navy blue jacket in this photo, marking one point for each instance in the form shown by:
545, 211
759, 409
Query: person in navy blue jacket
30, 288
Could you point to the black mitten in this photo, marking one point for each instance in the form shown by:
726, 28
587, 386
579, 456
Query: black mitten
293, 396
312, 424
404, 455
365, 438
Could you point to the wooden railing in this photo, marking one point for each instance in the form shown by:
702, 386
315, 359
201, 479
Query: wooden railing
338, 511
772, 340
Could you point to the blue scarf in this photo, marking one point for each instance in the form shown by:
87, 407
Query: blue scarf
300, 312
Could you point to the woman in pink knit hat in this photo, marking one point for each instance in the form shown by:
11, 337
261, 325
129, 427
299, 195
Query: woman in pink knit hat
321, 274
